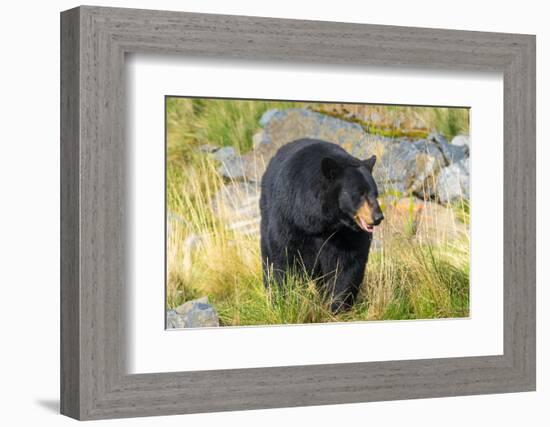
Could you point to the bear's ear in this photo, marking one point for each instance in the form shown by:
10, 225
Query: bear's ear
369, 163
330, 167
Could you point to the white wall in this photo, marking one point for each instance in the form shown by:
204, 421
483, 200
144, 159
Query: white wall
29, 211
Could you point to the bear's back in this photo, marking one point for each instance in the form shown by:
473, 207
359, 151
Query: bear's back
303, 157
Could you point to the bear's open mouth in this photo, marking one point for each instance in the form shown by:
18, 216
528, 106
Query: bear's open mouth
363, 218
363, 224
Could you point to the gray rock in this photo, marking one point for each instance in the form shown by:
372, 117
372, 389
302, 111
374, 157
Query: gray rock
224, 153
451, 153
267, 116
409, 167
258, 139
208, 148
185, 308
194, 314
453, 182
231, 163
174, 320
429, 161
395, 170
233, 168
430, 148
237, 206
461, 140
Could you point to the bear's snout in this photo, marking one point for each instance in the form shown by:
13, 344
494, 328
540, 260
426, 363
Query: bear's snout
378, 217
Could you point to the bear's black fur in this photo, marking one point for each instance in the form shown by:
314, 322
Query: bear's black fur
318, 208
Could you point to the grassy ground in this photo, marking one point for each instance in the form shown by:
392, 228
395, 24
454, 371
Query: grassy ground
405, 279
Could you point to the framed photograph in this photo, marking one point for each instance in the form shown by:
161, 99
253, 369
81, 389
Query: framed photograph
261, 213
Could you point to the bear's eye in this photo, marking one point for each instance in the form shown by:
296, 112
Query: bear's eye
369, 192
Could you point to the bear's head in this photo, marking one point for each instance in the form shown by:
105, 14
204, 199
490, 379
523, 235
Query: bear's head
355, 191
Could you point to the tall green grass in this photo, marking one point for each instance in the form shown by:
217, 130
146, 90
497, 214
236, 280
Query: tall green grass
220, 122
451, 121
407, 278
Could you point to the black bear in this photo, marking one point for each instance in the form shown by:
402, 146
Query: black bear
318, 211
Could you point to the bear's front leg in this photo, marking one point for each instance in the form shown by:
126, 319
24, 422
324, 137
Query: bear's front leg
343, 259
342, 278
346, 285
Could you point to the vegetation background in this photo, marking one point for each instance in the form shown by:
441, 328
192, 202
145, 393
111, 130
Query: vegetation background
406, 278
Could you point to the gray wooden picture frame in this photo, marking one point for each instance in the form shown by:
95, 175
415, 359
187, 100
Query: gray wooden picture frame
94, 42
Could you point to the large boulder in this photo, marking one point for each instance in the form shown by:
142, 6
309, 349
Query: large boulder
409, 167
193, 314
453, 182
284, 126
